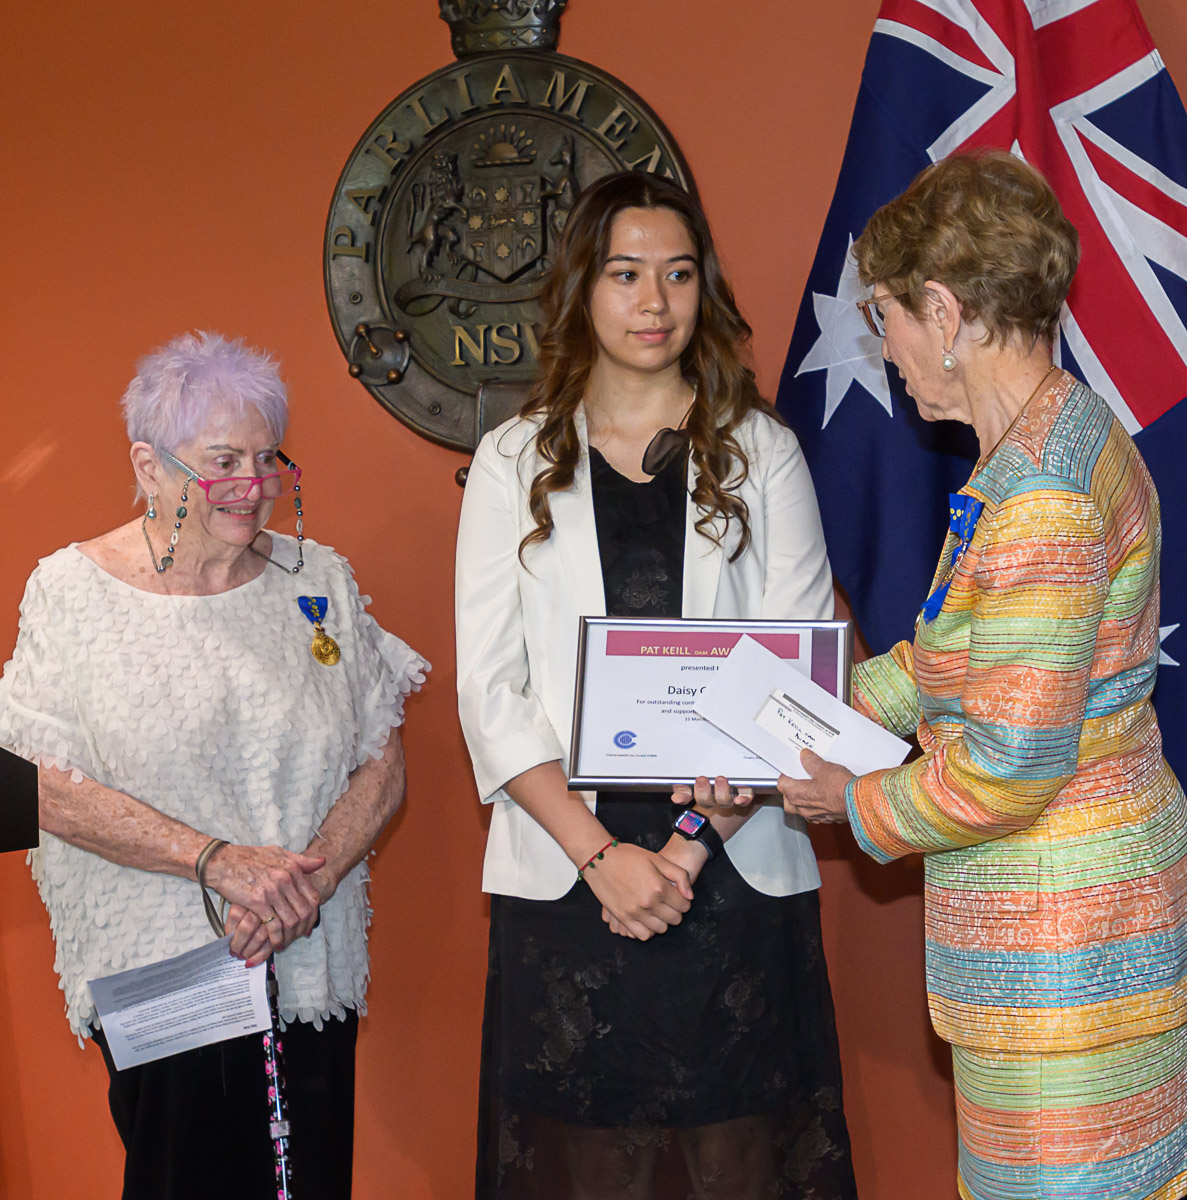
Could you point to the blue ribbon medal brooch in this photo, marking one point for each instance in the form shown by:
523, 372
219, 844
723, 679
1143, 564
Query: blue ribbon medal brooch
963, 513
323, 647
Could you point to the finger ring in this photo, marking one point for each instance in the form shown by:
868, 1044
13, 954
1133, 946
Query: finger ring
267, 920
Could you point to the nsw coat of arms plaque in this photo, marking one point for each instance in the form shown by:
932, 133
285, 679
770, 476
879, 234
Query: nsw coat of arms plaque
444, 218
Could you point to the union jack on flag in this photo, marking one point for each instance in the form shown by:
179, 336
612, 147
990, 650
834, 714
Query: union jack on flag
1076, 88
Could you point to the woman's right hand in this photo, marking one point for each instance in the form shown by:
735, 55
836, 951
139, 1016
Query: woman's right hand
642, 893
713, 796
271, 885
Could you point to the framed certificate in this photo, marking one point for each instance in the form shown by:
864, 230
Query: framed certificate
634, 727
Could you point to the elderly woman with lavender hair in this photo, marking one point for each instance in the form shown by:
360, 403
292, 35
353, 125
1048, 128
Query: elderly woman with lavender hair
186, 728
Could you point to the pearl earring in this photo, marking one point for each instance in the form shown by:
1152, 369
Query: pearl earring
152, 507
948, 362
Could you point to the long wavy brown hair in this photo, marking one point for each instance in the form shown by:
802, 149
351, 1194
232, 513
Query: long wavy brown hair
725, 387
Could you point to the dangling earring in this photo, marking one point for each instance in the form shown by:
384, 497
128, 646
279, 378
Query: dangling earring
948, 362
151, 515
150, 512
166, 558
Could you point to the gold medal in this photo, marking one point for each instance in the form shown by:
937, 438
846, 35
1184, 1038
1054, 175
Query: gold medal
324, 648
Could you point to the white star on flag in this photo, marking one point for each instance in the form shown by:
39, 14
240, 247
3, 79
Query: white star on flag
845, 347
1164, 659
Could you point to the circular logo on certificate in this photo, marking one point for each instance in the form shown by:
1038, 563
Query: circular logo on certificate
624, 740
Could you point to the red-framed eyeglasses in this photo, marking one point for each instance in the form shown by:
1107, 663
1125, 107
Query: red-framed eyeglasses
239, 487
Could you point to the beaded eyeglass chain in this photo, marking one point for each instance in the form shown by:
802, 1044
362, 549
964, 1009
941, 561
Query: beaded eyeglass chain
166, 560
288, 462
151, 513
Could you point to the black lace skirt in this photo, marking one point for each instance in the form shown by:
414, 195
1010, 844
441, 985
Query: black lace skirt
726, 1017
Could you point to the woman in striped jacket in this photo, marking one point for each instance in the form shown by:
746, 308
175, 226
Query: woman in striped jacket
1053, 831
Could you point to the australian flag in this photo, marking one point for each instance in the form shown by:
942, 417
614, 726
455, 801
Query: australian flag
1076, 88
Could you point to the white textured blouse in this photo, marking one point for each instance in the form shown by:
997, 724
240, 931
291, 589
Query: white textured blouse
213, 710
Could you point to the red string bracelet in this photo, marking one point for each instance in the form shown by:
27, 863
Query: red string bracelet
593, 861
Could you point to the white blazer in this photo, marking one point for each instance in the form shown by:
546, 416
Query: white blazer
517, 627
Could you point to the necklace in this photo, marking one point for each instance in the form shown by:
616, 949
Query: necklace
159, 567
664, 445
1014, 421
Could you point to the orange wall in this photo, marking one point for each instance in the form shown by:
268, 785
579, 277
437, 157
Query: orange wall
169, 166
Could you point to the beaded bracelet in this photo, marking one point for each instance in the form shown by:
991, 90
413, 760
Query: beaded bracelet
593, 861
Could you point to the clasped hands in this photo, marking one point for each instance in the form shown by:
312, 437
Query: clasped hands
275, 897
644, 893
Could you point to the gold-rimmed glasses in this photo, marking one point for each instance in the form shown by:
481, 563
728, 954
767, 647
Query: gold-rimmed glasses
871, 309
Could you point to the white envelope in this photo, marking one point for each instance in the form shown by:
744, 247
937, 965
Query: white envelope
775, 711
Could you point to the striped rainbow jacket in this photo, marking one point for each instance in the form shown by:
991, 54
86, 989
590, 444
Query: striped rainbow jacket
1054, 832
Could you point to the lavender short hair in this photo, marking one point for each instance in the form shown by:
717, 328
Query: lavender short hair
180, 386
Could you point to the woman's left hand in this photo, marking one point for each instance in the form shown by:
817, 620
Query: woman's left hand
820, 798
249, 935
251, 939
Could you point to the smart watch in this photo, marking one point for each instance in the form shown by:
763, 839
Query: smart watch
695, 828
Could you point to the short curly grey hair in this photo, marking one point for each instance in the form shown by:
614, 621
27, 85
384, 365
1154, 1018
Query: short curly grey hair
989, 226
181, 385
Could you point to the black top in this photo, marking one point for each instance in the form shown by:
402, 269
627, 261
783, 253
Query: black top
641, 537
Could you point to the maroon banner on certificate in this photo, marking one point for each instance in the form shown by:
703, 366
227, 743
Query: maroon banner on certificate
695, 645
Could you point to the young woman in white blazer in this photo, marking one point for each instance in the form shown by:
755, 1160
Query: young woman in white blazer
666, 1014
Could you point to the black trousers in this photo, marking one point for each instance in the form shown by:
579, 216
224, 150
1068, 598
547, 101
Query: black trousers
195, 1125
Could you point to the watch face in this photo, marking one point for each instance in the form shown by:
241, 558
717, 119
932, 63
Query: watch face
689, 822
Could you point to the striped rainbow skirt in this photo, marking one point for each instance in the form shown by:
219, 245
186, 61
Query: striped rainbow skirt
1104, 1124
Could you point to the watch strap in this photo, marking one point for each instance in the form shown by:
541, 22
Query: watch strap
711, 840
